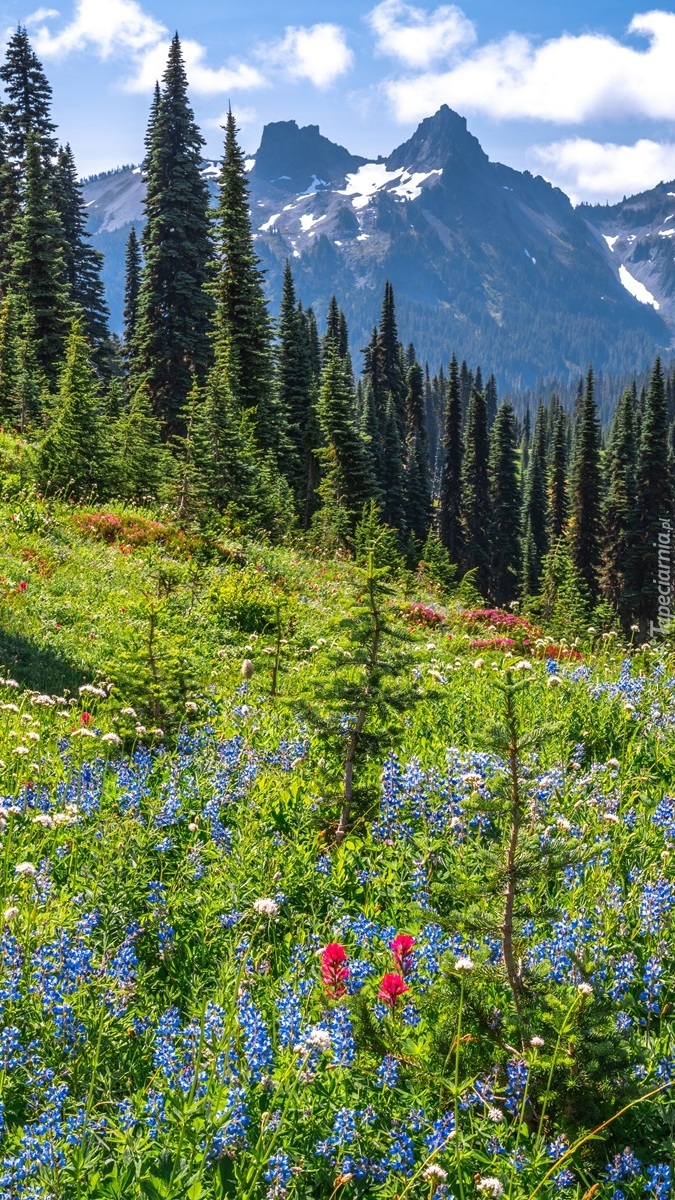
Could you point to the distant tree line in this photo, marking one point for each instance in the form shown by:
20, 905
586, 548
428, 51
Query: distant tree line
211, 406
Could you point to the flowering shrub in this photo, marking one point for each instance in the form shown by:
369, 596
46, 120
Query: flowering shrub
422, 614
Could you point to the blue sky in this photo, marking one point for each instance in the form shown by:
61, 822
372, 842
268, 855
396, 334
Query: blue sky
583, 93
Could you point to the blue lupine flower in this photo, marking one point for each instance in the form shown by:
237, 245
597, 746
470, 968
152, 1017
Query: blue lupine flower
387, 1072
257, 1043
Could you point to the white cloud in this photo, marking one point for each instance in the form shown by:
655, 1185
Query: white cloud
204, 80
106, 26
589, 170
566, 80
417, 38
319, 53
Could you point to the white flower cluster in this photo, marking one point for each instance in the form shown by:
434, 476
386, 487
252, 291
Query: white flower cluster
266, 908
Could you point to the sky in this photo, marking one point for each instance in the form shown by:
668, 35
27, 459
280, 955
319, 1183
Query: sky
581, 92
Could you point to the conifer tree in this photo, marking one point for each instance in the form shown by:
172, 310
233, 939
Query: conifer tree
132, 289
475, 494
296, 397
504, 508
535, 507
174, 309
391, 375
370, 431
82, 262
393, 478
450, 504
225, 470
347, 484
557, 488
28, 102
491, 401
38, 268
653, 578
142, 464
241, 310
9, 358
331, 341
619, 510
9, 205
73, 457
584, 529
525, 447
417, 481
465, 386
565, 603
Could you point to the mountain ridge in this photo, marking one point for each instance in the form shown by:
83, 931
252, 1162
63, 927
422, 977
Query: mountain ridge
486, 260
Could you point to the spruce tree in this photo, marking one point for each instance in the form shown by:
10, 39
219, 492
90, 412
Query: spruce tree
652, 592
491, 401
557, 487
584, 531
142, 464
371, 433
9, 206
82, 262
73, 456
331, 341
28, 102
393, 478
38, 268
417, 481
450, 504
535, 507
132, 289
347, 484
174, 310
504, 508
296, 396
9, 358
475, 494
619, 510
391, 373
241, 310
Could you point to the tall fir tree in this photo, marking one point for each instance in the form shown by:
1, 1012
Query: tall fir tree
557, 475
390, 366
450, 503
505, 562
28, 104
584, 529
393, 489
652, 592
174, 310
476, 549
619, 511
141, 464
38, 267
241, 310
73, 456
83, 264
347, 483
9, 207
297, 398
535, 508
491, 401
417, 479
132, 289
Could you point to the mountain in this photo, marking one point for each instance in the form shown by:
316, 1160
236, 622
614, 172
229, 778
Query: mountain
639, 234
485, 260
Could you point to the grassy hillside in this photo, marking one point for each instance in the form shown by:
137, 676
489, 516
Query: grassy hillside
204, 990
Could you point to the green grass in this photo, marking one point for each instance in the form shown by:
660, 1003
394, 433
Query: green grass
164, 1037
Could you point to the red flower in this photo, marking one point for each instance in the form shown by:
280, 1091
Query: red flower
402, 948
391, 990
85, 718
334, 970
23, 586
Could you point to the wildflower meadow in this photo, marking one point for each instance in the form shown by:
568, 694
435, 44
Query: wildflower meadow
319, 883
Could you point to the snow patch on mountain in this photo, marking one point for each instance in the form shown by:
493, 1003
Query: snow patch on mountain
636, 288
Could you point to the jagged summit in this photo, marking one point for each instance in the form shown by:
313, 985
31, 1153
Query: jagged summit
440, 141
298, 158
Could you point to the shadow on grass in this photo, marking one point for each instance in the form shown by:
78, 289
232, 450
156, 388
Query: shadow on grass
36, 667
